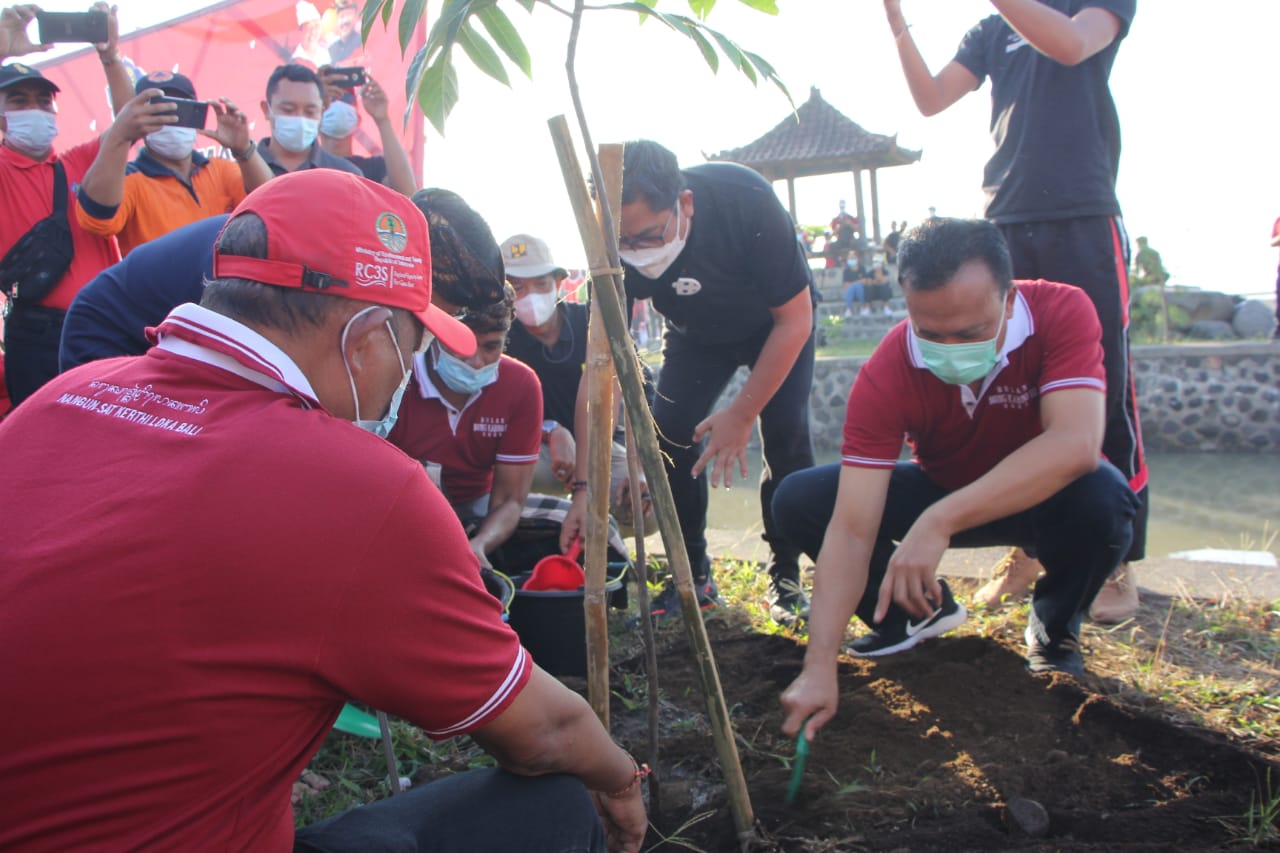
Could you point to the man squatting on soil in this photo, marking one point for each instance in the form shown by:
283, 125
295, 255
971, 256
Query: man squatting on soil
1000, 387
207, 620
1051, 188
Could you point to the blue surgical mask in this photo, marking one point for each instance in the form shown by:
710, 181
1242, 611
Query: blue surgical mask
381, 427
339, 120
294, 133
462, 377
960, 364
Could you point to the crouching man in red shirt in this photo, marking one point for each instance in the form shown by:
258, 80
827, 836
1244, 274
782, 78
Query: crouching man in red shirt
214, 556
999, 387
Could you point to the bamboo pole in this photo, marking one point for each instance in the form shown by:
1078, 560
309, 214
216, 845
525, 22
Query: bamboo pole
599, 444
607, 281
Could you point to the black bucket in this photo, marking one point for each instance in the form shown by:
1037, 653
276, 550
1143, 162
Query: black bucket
552, 624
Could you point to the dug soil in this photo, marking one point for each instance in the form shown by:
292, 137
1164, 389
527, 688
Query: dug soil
927, 752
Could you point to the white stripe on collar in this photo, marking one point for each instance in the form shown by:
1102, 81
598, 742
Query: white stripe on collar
256, 358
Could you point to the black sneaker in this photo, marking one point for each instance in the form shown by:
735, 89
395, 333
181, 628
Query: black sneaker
899, 632
667, 603
790, 606
1062, 655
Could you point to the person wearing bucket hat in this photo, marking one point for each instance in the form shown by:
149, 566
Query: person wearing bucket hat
550, 335
170, 183
220, 555
43, 272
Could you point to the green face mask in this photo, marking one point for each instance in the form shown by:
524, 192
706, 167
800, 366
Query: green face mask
960, 364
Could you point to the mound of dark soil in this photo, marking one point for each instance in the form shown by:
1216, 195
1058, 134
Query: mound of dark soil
928, 750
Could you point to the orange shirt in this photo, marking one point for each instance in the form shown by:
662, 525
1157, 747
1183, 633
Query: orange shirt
156, 201
26, 186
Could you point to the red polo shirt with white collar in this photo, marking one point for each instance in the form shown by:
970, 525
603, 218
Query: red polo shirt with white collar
208, 566
26, 186
501, 422
1053, 342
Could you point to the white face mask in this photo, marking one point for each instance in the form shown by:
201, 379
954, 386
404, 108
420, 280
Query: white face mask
652, 263
382, 426
294, 133
339, 120
172, 143
30, 131
535, 309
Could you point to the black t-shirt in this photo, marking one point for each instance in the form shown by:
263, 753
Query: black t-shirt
742, 258
560, 368
891, 241
1055, 127
373, 168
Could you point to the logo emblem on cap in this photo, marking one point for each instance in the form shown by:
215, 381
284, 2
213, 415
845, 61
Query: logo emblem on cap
519, 250
20, 68
391, 231
160, 76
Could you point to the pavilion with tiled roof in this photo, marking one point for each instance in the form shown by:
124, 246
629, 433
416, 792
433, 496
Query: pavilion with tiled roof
819, 140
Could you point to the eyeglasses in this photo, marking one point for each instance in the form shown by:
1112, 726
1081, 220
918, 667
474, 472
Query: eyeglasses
647, 239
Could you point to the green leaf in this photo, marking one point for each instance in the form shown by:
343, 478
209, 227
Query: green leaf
482, 54
369, 16
438, 94
702, 8
690, 28
444, 32
410, 15
770, 74
769, 7
527, 4
413, 80
733, 54
505, 36
387, 8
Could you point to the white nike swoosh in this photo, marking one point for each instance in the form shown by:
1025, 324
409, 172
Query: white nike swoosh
1014, 45
914, 628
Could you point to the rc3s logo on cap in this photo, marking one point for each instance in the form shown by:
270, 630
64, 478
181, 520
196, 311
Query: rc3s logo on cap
391, 231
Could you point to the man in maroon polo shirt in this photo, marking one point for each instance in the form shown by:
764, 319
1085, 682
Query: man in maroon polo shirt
998, 385
217, 552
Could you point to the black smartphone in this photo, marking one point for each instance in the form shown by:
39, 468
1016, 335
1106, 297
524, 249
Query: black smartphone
190, 113
72, 27
346, 77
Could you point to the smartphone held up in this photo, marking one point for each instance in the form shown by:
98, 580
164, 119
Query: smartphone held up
72, 27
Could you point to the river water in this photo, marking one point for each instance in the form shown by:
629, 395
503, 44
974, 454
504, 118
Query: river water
1203, 500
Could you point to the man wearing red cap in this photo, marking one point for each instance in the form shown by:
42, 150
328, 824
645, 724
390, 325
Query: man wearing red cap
170, 184
217, 554
32, 176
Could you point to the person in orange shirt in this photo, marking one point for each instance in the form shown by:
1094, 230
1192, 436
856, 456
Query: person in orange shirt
29, 167
169, 184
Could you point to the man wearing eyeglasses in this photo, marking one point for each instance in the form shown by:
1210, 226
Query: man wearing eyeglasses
716, 252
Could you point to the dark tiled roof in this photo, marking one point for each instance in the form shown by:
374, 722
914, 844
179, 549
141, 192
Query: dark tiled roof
818, 140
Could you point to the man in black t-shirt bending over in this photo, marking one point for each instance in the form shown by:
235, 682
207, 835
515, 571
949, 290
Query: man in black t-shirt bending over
716, 252
1051, 188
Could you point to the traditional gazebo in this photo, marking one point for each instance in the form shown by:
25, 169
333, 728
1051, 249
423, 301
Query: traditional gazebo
819, 140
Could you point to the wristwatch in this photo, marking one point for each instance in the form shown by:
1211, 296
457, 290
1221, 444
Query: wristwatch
243, 157
549, 426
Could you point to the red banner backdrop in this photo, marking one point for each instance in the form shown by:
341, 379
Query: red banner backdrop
228, 50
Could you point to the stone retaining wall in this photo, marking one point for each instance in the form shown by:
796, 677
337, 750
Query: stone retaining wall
1191, 397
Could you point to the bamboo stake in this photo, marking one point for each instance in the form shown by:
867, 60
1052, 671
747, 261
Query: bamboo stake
599, 443
646, 625
624, 360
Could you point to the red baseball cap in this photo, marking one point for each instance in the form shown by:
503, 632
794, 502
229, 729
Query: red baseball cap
333, 232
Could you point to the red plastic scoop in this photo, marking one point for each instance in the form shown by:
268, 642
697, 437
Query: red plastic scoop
557, 572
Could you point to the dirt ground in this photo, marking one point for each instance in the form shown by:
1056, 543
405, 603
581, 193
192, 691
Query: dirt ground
928, 749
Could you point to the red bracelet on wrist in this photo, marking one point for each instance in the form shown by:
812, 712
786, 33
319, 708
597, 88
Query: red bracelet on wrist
642, 770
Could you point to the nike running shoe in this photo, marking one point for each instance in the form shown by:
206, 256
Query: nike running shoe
899, 631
